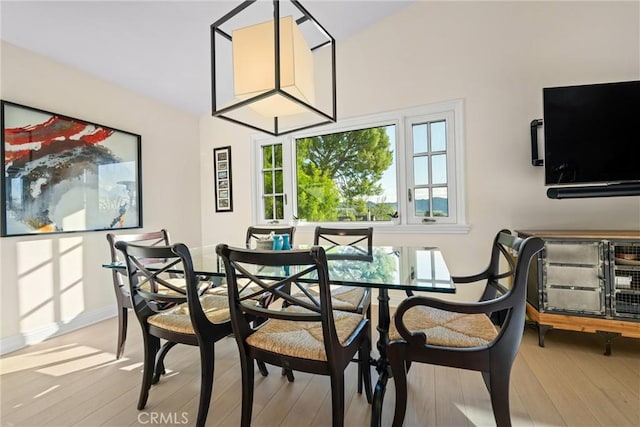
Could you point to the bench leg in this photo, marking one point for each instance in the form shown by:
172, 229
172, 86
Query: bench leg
542, 330
608, 336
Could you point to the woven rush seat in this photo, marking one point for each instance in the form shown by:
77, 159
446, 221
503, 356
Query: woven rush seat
302, 339
446, 328
215, 307
346, 298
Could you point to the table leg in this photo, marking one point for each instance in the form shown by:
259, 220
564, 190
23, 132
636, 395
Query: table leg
382, 364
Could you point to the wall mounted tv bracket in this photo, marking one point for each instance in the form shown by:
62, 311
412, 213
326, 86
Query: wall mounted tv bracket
535, 159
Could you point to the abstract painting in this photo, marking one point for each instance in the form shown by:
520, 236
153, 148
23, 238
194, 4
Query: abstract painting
66, 175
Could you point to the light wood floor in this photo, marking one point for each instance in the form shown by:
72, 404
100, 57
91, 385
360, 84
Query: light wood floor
74, 380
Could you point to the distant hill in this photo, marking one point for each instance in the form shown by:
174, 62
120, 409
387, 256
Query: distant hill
439, 204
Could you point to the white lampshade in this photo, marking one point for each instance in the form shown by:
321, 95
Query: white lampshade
254, 67
247, 87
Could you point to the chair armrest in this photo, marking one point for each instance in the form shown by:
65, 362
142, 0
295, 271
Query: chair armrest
419, 338
461, 280
154, 297
470, 279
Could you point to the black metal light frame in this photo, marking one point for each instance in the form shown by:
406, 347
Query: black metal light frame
306, 16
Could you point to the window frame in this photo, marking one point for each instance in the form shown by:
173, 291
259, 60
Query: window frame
452, 111
449, 118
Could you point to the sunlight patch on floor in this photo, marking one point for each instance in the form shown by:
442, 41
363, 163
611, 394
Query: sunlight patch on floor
77, 365
25, 361
50, 389
481, 416
131, 367
477, 416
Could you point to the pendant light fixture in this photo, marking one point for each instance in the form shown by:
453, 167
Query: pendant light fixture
272, 68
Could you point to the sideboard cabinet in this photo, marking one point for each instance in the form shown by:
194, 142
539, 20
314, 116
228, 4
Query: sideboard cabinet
586, 281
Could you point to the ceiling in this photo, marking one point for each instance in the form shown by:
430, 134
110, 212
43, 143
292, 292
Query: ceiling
160, 49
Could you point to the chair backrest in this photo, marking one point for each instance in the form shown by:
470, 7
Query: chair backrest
513, 299
152, 238
356, 237
501, 266
254, 233
168, 260
300, 266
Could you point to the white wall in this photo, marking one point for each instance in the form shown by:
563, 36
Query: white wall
497, 56
53, 283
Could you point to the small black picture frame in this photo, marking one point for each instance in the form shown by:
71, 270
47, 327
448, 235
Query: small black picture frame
222, 179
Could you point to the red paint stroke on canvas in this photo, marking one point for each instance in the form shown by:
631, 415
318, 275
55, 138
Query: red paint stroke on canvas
54, 131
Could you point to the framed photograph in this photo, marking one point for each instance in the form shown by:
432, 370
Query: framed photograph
63, 174
222, 177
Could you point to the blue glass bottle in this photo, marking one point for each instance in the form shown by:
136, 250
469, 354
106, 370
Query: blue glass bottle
286, 245
277, 242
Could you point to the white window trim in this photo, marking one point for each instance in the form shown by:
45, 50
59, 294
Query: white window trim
452, 114
401, 119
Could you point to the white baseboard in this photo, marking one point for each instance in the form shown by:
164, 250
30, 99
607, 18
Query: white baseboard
42, 333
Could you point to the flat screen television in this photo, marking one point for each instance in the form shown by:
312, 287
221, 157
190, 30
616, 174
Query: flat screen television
592, 133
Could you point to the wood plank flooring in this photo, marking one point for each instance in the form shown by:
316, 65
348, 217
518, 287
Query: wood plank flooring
74, 380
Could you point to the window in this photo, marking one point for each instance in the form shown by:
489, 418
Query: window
398, 168
273, 195
431, 196
346, 176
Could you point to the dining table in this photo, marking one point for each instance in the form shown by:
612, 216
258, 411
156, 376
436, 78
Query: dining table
384, 268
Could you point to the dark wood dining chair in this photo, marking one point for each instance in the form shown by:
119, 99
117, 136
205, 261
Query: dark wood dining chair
256, 232
306, 335
461, 334
193, 317
253, 234
120, 285
349, 298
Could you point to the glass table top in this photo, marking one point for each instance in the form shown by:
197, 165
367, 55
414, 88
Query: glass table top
403, 268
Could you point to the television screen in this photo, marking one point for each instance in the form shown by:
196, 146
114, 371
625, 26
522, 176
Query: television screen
592, 133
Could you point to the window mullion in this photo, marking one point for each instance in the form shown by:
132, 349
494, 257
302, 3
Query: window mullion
288, 176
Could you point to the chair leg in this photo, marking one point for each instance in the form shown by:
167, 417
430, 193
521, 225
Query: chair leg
364, 371
207, 365
289, 374
497, 382
160, 360
122, 331
398, 369
246, 364
362, 367
337, 398
262, 367
151, 347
